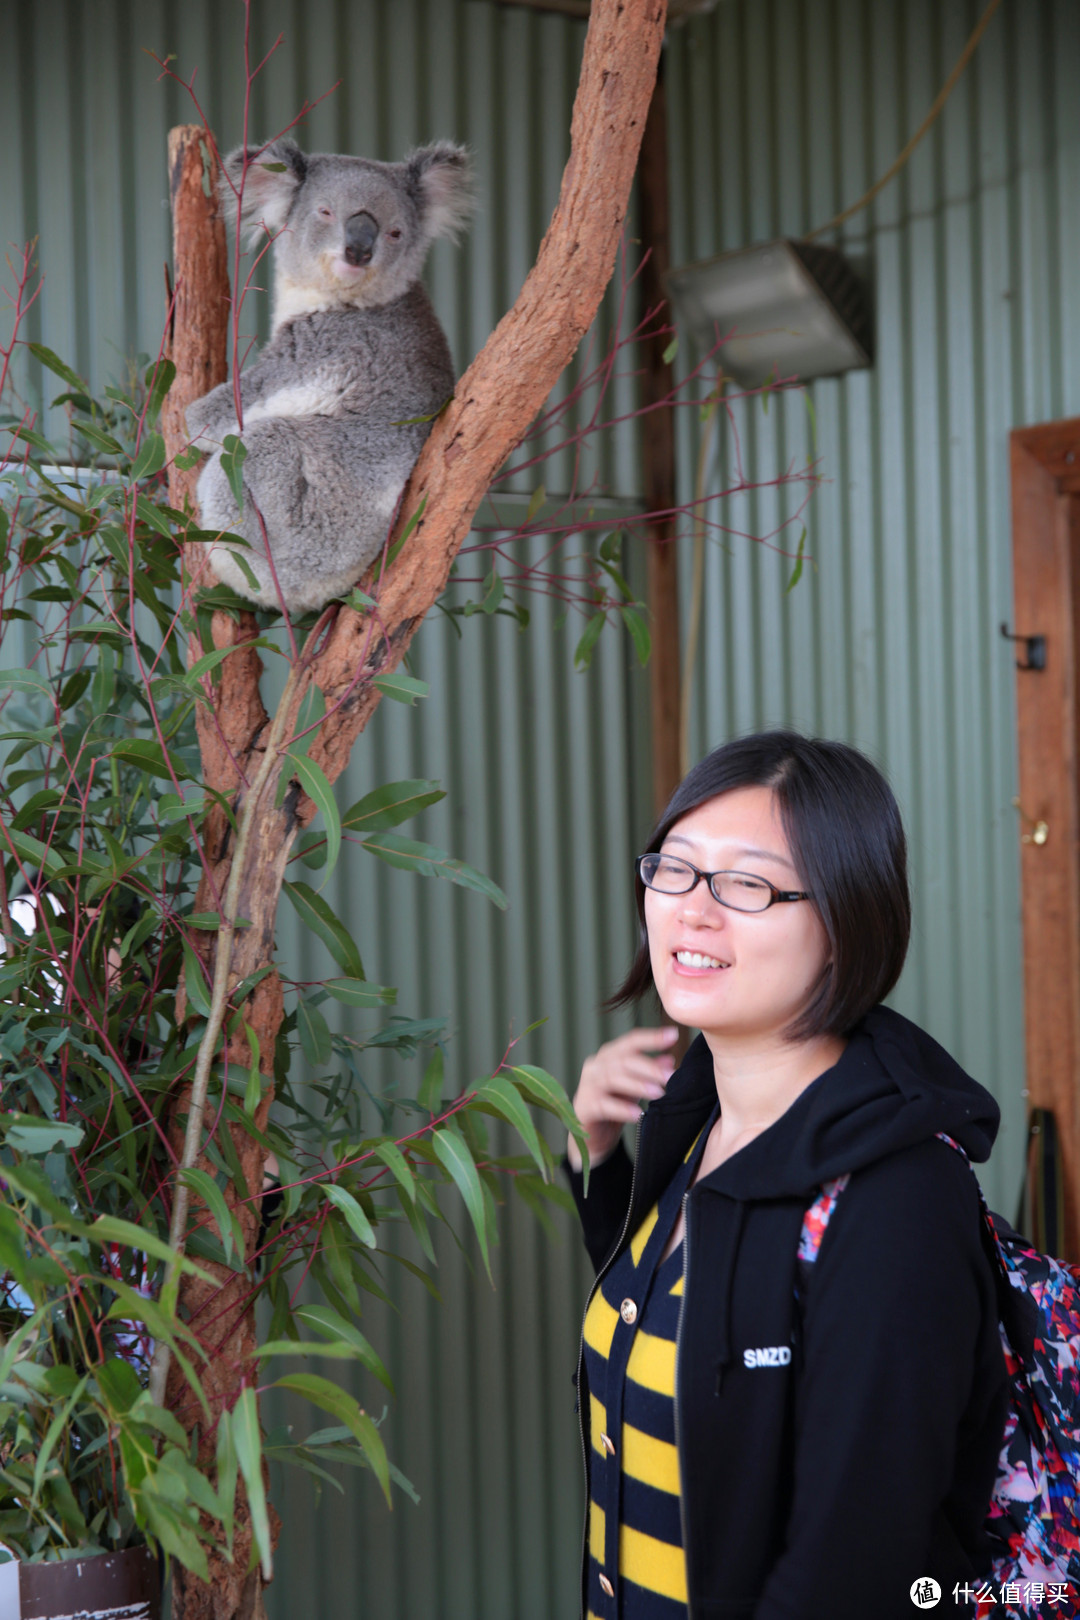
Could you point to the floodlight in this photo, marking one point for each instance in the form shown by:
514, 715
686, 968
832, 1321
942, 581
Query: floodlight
792, 309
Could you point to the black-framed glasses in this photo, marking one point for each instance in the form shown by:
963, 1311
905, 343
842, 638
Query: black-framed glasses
739, 891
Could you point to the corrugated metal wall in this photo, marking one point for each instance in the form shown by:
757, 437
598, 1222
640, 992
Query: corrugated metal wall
545, 768
782, 112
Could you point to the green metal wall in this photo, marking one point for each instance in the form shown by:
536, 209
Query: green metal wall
782, 111
782, 114
545, 769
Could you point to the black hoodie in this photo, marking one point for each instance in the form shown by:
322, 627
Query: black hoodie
824, 1488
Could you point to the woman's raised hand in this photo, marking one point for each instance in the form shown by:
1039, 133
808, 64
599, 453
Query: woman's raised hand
625, 1073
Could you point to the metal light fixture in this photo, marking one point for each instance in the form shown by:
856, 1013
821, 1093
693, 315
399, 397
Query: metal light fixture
793, 309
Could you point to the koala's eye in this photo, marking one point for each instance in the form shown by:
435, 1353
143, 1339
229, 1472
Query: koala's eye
324, 212
395, 235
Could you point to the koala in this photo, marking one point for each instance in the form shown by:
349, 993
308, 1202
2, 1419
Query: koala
340, 401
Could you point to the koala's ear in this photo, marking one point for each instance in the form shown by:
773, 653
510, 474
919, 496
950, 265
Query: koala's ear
274, 175
441, 177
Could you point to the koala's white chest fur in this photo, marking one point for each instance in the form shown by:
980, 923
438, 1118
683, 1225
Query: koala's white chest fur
320, 396
323, 291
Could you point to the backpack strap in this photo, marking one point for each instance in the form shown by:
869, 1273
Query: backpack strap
815, 1221
819, 1214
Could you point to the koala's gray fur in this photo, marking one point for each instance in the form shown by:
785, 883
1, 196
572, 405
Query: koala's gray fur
356, 355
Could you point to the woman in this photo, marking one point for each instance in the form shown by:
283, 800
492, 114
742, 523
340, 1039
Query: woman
762, 1438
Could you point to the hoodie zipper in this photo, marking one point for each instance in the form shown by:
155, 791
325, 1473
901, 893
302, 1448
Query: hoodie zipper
675, 1395
600, 1275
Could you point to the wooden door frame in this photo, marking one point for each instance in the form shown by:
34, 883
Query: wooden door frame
1045, 469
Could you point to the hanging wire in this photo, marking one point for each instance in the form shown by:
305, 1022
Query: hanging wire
943, 95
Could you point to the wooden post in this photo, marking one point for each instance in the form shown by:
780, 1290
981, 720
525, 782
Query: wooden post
658, 459
1046, 572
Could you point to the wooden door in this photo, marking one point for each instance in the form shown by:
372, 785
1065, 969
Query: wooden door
1046, 573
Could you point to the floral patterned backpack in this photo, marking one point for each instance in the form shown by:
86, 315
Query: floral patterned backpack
1034, 1515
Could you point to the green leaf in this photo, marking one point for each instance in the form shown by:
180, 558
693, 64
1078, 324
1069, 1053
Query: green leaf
119, 1385
453, 1154
396, 1162
357, 993
584, 650
359, 600
418, 1221
671, 351
494, 592
384, 807
539, 496
114, 1229
25, 680
233, 456
35, 441
358, 1221
151, 457
796, 572
247, 1439
254, 1090
100, 440
202, 666
312, 709
188, 458
53, 363
314, 1031
340, 1404
195, 985
505, 1099
158, 379
227, 1469
413, 856
329, 1322
29, 1134
315, 785
546, 1090
396, 548
232, 1236
402, 688
431, 1087
636, 623
210, 921
150, 756
616, 578
51, 861
315, 913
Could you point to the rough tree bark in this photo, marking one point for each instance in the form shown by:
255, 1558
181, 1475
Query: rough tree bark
228, 734
494, 404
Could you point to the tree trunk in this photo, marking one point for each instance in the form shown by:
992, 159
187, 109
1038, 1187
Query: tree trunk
228, 734
493, 406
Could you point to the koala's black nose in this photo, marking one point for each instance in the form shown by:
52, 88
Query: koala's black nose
361, 234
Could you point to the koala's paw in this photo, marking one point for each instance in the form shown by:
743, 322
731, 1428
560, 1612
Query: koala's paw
210, 418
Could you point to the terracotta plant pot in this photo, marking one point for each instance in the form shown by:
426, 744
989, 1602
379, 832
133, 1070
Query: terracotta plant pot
105, 1586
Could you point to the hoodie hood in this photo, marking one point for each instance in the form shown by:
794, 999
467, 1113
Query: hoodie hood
892, 1087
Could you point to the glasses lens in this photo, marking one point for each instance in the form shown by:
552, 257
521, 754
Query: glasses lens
666, 873
742, 891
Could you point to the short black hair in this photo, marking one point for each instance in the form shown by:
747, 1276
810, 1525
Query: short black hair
847, 840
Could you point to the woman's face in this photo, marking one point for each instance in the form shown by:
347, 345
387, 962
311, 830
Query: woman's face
734, 974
